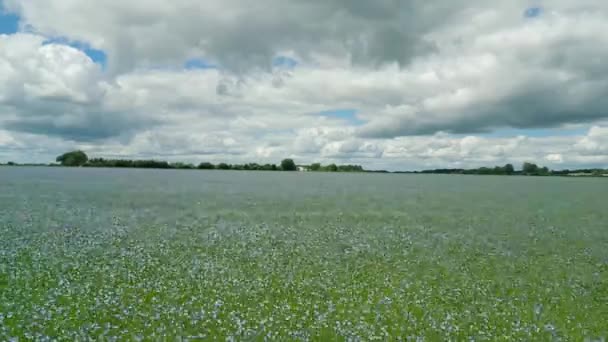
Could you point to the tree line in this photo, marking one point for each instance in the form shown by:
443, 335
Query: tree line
527, 169
79, 158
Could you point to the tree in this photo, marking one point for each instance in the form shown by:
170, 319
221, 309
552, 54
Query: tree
498, 170
74, 158
484, 171
315, 167
544, 171
206, 166
350, 168
288, 165
530, 168
332, 168
223, 166
509, 169
181, 166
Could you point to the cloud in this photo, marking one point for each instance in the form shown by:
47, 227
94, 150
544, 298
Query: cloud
444, 150
594, 143
428, 81
56, 90
555, 158
27, 148
237, 33
539, 74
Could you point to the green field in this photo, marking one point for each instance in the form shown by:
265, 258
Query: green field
143, 254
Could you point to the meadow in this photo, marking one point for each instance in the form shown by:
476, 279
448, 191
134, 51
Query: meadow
111, 254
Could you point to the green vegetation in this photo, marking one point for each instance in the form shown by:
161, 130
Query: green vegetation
74, 158
335, 168
531, 169
142, 164
528, 169
206, 166
288, 165
89, 255
224, 166
79, 158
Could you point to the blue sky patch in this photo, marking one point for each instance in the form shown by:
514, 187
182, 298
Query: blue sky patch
348, 115
533, 12
98, 56
9, 23
199, 63
284, 62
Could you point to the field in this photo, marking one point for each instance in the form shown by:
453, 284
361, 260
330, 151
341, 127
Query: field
143, 254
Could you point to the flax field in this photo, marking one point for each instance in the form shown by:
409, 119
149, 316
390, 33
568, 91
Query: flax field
140, 255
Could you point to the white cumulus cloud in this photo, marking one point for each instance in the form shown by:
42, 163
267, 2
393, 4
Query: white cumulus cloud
428, 82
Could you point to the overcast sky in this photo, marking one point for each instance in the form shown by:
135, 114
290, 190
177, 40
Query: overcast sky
387, 84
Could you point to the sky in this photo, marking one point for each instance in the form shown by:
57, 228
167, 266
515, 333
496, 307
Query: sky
387, 84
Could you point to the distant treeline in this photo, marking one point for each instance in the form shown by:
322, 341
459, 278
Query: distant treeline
79, 158
334, 168
155, 164
527, 169
286, 165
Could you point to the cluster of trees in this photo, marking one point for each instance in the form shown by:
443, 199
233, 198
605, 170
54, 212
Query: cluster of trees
75, 158
317, 167
142, 164
592, 172
508, 169
249, 167
527, 169
155, 164
530, 169
79, 158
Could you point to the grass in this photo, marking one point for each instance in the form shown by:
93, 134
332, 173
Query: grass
136, 254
